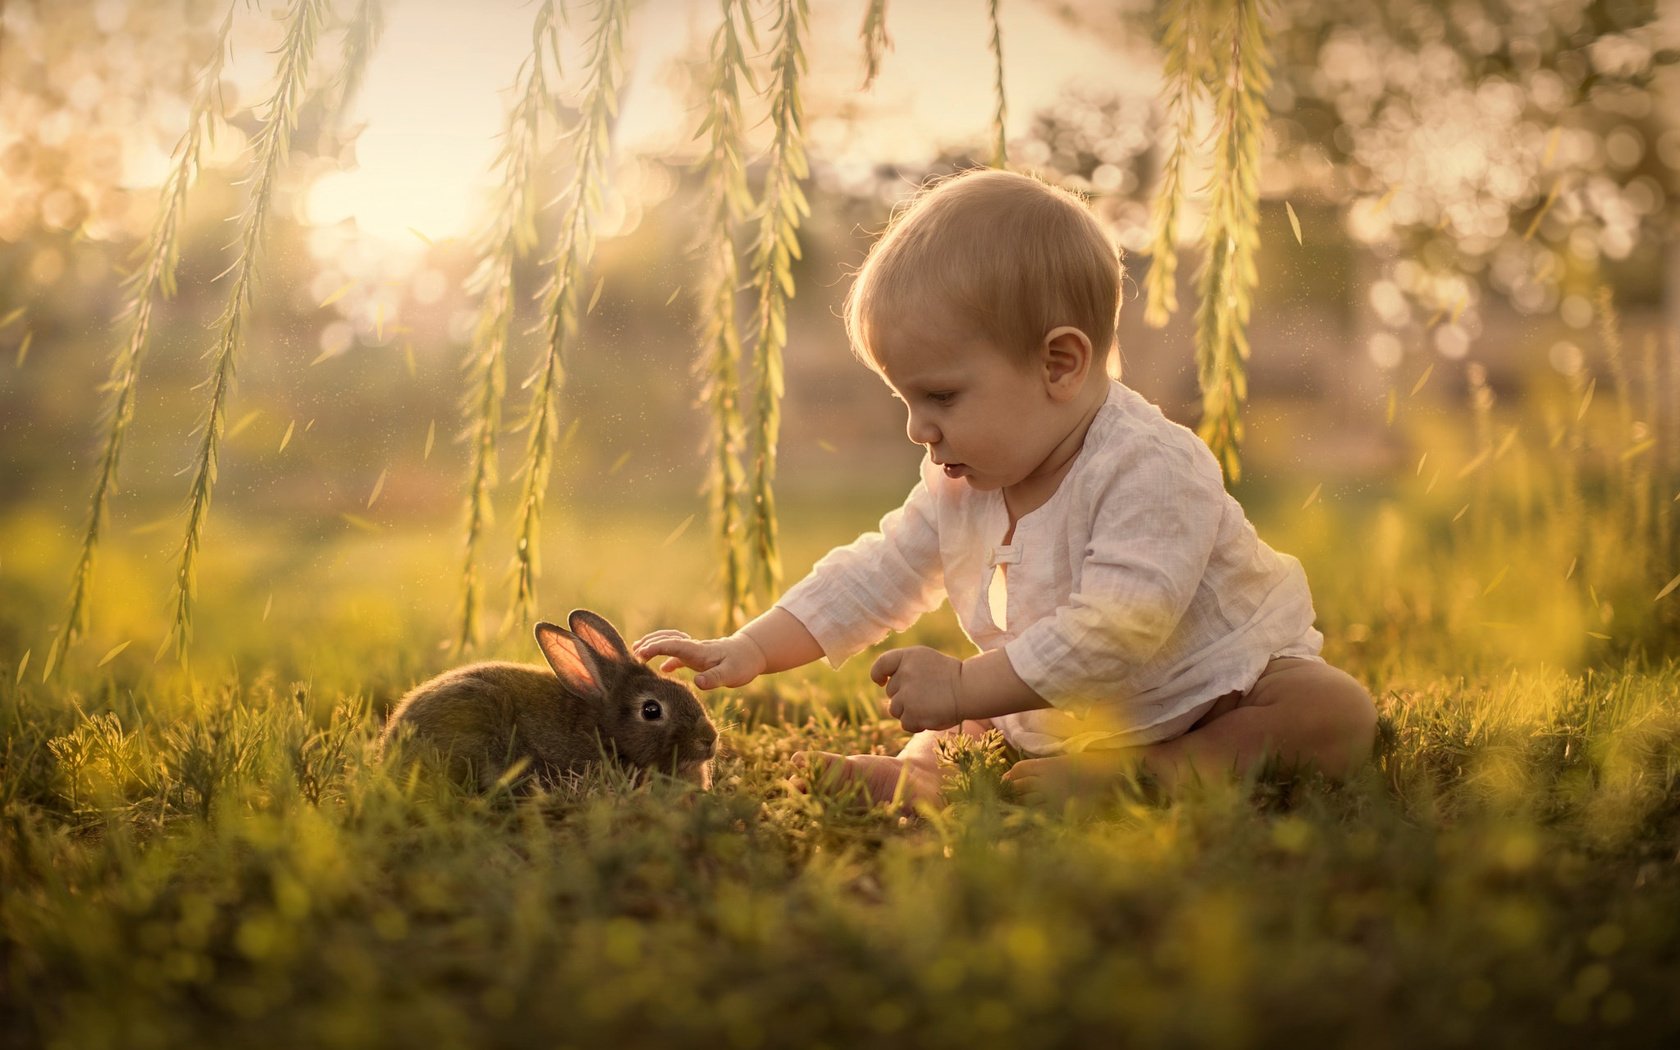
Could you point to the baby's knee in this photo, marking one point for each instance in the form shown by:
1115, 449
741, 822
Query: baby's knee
1358, 706
1350, 716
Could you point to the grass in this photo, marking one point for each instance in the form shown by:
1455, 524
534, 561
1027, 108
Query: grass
214, 865
210, 857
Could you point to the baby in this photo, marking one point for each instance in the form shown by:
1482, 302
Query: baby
1128, 618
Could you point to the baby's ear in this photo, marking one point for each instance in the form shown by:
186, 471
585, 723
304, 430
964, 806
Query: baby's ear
1067, 357
573, 662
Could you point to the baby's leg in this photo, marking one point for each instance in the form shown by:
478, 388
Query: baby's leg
1303, 713
910, 777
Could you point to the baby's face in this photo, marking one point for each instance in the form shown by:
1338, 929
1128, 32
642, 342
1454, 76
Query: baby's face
982, 413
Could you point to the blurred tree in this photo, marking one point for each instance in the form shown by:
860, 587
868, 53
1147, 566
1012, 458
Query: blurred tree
1504, 146
87, 89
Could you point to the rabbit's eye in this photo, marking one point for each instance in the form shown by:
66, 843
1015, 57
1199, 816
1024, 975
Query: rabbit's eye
651, 711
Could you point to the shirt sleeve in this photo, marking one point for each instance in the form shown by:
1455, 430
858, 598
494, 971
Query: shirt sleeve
1153, 526
881, 582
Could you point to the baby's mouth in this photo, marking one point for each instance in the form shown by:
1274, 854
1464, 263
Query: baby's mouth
956, 470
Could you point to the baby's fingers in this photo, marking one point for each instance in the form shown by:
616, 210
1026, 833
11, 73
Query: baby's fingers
644, 646
885, 666
680, 647
1028, 787
1023, 773
679, 654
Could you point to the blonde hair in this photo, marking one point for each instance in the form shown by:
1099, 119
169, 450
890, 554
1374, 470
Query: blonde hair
1006, 255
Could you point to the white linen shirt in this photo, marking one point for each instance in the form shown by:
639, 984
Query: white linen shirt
1136, 596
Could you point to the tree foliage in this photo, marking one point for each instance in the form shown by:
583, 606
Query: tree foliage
1186, 68
1560, 161
593, 147
782, 207
153, 278
728, 204
1000, 113
511, 236
1220, 49
268, 156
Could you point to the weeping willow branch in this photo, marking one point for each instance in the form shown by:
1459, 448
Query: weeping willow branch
728, 203
512, 235
1228, 275
1000, 152
1186, 67
875, 40
576, 245
269, 149
361, 36
153, 277
780, 211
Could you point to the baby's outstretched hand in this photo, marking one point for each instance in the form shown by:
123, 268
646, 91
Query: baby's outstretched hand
922, 687
721, 662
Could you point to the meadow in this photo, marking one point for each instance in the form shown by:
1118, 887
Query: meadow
198, 843
210, 855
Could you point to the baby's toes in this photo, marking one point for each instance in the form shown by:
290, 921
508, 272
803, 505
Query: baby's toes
879, 779
821, 767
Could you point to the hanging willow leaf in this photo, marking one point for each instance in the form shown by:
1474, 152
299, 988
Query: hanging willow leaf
152, 278
269, 148
361, 36
875, 40
1232, 236
511, 236
1000, 152
1185, 69
719, 367
571, 260
780, 211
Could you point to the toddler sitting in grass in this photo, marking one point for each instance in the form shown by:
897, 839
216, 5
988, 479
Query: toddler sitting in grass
1129, 619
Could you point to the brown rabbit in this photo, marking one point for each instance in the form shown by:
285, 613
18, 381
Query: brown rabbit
593, 699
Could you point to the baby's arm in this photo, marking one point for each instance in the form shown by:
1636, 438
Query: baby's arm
774, 642
992, 688
854, 595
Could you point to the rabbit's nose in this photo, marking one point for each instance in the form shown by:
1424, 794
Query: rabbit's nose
706, 739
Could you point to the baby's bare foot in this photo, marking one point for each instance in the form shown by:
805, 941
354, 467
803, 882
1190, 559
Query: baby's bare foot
883, 779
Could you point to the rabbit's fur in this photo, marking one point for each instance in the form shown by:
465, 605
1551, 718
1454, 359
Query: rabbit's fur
594, 699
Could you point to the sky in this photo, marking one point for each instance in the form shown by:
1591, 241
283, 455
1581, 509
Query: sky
436, 90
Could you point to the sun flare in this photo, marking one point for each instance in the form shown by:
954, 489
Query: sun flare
405, 189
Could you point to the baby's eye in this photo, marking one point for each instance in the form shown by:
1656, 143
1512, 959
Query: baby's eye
942, 397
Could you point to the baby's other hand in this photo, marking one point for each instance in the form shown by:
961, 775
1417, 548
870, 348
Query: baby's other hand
721, 662
922, 687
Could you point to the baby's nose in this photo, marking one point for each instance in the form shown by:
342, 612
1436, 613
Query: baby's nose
920, 431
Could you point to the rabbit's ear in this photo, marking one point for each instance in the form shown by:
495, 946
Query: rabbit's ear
599, 635
571, 659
